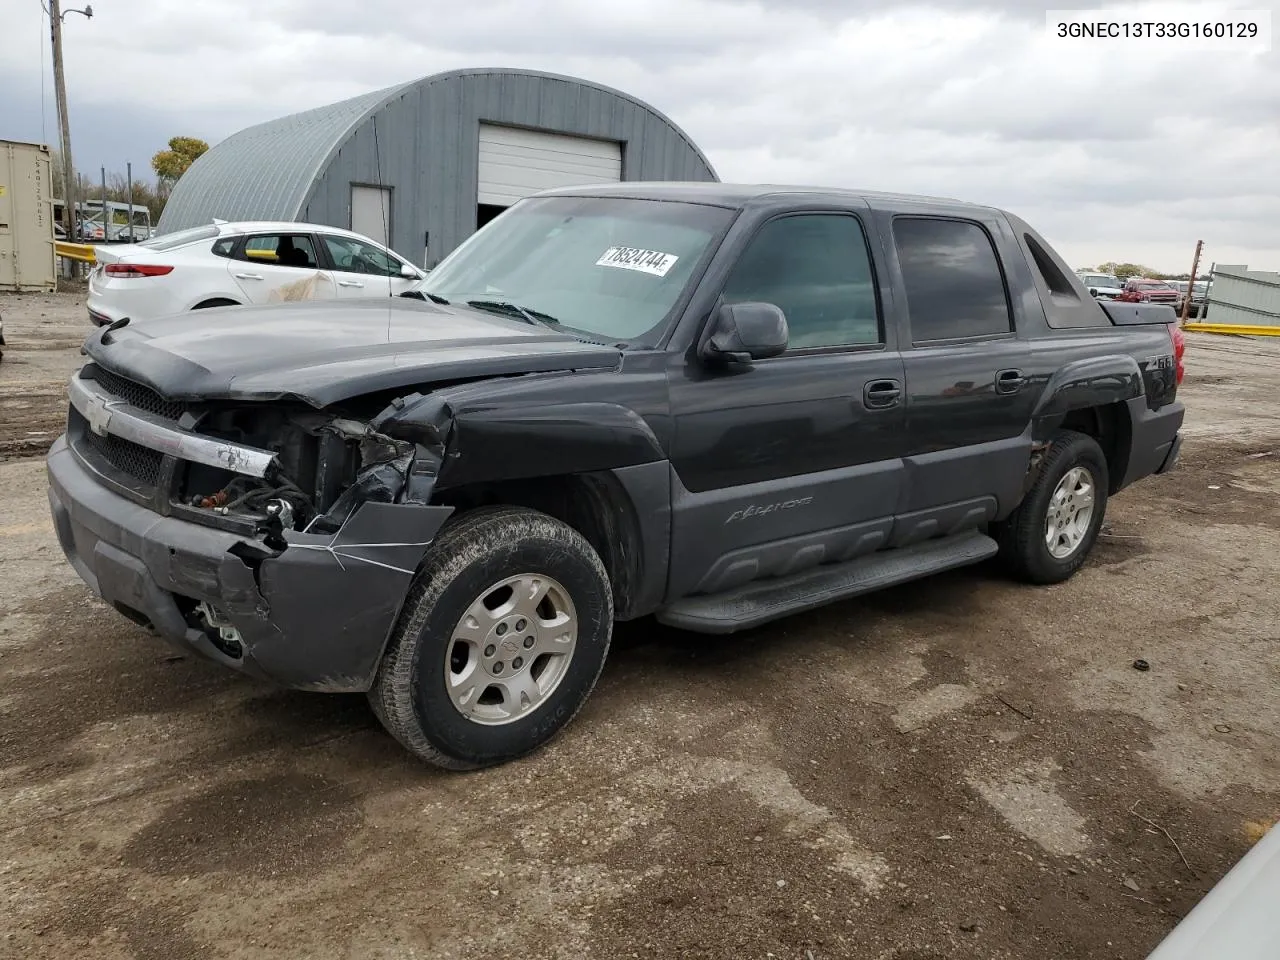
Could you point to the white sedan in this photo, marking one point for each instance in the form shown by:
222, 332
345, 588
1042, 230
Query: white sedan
226, 264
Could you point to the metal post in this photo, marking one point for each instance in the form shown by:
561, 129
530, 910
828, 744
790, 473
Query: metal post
128, 172
60, 93
1191, 284
106, 231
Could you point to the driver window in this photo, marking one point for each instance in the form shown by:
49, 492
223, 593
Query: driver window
816, 268
352, 256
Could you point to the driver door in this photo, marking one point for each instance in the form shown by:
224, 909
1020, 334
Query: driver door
363, 269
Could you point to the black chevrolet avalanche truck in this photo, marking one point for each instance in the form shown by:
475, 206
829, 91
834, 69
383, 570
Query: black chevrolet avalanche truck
713, 404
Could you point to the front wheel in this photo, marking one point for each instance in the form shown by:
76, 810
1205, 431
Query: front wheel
500, 642
1049, 536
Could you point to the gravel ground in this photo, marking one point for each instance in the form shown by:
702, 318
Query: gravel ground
958, 768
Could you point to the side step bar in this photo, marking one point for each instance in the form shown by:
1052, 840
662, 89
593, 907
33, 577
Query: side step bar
764, 600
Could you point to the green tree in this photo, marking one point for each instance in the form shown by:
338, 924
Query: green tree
1126, 270
171, 164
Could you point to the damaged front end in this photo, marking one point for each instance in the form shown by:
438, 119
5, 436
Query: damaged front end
271, 536
323, 466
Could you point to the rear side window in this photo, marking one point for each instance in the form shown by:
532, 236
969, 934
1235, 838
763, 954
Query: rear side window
280, 249
224, 247
955, 287
815, 267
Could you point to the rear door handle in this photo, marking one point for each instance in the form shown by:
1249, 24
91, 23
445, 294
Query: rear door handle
881, 394
350, 283
1010, 381
248, 276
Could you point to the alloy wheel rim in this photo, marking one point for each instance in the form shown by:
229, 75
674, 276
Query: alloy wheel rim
511, 649
1070, 513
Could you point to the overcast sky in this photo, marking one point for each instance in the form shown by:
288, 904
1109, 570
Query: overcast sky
1128, 154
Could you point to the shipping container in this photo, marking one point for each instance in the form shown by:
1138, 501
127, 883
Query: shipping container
28, 262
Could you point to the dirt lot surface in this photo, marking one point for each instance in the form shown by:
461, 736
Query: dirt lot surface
958, 768
44, 333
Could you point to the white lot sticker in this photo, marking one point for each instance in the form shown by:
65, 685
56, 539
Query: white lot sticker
632, 258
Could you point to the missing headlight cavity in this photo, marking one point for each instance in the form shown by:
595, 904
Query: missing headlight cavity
325, 465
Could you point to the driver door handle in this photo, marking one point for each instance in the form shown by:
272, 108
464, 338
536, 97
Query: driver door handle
350, 283
881, 394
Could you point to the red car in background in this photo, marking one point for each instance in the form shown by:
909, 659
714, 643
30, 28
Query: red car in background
1139, 290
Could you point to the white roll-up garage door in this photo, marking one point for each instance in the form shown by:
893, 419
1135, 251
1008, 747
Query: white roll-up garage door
516, 163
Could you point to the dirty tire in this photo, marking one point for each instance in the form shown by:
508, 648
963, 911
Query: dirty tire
1023, 549
474, 551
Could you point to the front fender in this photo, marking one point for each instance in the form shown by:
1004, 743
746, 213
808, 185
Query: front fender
492, 444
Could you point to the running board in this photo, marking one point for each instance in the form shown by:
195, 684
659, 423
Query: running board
765, 600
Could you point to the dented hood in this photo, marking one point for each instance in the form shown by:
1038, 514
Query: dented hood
326, 351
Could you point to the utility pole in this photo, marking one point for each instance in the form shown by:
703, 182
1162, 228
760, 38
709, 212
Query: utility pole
1191, 284
128, 172
60, 92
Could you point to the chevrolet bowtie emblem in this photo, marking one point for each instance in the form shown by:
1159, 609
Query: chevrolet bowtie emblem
98, 414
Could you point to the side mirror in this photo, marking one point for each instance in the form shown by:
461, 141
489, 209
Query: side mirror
1093, 291
410, 272
742, 332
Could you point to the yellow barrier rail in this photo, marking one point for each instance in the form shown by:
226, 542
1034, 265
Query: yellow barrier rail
1240, 329
74, 251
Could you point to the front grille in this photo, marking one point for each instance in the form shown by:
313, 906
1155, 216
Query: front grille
135, 394
134, 460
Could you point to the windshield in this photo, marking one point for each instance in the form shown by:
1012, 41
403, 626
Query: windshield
610, 268
1101, 280
1154, 285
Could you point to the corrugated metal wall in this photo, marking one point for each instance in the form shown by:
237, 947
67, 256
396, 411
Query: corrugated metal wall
421, 139
264, 172
1243, 296
427, 142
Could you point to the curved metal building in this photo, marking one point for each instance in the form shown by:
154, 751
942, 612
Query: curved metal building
421, 165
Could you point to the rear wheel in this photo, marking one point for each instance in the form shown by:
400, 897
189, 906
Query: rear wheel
1049, 536
500, 642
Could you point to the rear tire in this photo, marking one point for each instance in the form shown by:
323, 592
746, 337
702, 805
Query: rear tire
1049, 536
477, 673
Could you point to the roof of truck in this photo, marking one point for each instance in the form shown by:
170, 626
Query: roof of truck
740, 194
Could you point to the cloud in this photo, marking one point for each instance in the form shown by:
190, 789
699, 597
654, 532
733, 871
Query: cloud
1131, 153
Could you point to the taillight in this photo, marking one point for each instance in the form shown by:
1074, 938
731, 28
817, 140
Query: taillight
1179, 349
128, 270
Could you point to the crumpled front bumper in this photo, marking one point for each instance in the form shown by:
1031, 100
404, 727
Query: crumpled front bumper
314, 616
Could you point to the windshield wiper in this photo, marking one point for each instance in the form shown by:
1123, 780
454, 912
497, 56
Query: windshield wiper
528, 314
435, 298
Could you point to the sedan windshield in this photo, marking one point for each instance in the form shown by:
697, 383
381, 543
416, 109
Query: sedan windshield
610, 268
